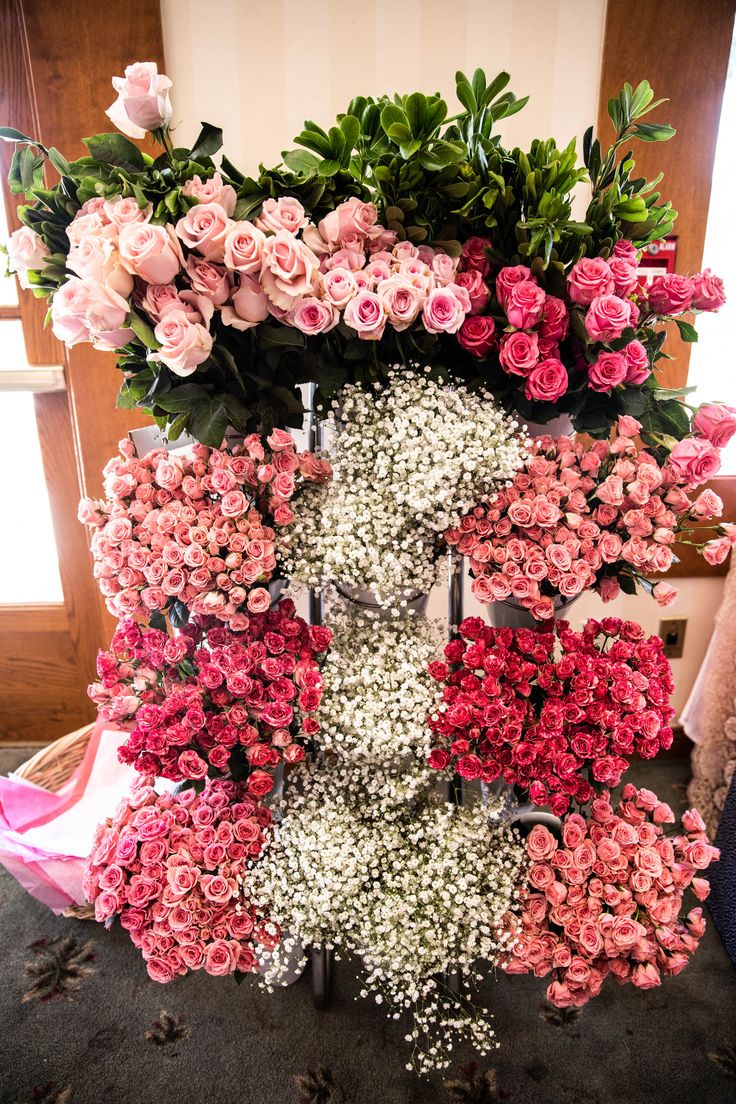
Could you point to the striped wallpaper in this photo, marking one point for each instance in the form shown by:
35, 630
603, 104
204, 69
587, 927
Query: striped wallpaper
260, 67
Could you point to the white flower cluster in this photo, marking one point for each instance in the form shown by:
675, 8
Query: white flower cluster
378, 691
417, 889
407, 463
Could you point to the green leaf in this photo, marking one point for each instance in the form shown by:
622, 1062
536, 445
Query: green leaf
10, 134
209, 422
143, 331
208, 141
465, 94
300, 161
653, 132
59, 162
178, 614
115, 149
183, 398
687, 331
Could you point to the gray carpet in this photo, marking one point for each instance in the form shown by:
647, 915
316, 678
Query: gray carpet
81, 1024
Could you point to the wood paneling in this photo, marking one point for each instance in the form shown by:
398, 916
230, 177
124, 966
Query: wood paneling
682, 49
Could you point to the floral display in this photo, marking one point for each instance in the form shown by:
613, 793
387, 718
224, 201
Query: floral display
194, 533
377, 688
176, 868
607, 900
406, 464
401, 235
212, 700
602, 516
553, 712
414, 891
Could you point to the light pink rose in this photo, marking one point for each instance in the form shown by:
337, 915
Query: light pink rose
352, 217
244, 248
212, 190
547, 382
670, 294
707, 505
250, 305
313, 316
143, 100
708, 292
716, 422
285, 213
524, 304
366, 314
445, 309
607, 317
715, 552
339, 286
26, 251
204, 229
124, 210
444, 267
401, 301
184, 344
628, 426
589, 278
289, 269
519, 353
607, 372
98, 258
208, 279
695, 460
149, 252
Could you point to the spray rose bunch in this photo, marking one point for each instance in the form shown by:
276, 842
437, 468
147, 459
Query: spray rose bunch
377, 689
406, 464
210, 700
608, 898
551, 711
176, 868
196, 533
580, 517
414, 889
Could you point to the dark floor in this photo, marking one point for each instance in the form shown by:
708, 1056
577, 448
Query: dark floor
112, 1036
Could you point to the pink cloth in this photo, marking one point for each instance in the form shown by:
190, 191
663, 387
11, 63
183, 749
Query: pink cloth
45, 837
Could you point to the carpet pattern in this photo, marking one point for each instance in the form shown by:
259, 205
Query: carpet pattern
80, 1023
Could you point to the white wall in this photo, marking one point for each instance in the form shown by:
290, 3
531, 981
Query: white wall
258, 69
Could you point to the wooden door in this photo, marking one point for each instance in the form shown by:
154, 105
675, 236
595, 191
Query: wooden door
56, 65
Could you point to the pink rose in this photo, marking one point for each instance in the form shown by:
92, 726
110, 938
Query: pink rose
478, 292
625, 276
204, 229
250, 305
477, 334
366, 315
670, 294
540, 843
289, 269
664, 594
715, 552
708, 292
159, 299
184, 344
444, 309
694, 460
524, 304
707, 505
627, 251
555, 319
607, 317
149, 252
637, 360
124, 210
244, 247
221, 957
259, 600
548, 381
353, 217
401, 300
590, 278
339, 286
285, 213
519, 353
608, 371
208, 279
212, 190
26, 251
143, 100
716, 422
313, 316
508, 277
627, 426
98, 259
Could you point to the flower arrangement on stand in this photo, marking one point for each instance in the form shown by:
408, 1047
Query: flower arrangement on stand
552, 712
607, 899
406, 463
596, 517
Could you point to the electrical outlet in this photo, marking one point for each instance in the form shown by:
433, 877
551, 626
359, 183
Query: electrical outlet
673, 633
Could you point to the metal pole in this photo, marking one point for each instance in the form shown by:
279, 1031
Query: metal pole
455, 576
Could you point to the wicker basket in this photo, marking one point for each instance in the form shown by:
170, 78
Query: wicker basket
50, 768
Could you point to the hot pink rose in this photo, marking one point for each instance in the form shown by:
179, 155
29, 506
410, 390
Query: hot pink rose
626, 250
184, 344
204, 229
366, 315
625, 276
445, 309
524, 304
716, 422
519, 352
477, 334
143, 100
637, 360
708, 292
608, 371
590, 278
548, 381
149, 252
555, 319
695, 460
289, 269
670, 294
285, 213
508, 277
607, 317
478, 292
